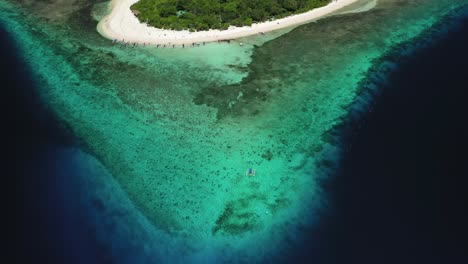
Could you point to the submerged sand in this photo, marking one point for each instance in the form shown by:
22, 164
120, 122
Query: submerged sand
123, 25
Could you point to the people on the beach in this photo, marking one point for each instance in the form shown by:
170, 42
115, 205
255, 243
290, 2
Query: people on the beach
114, 29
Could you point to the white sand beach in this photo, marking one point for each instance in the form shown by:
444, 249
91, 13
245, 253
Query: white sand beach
122, 24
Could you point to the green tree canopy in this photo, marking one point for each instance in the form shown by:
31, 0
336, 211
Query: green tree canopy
217, 14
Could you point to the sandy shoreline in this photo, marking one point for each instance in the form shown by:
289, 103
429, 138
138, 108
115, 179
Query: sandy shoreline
121, 24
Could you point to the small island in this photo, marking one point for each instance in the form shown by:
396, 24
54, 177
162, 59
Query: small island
177, 23
200, 15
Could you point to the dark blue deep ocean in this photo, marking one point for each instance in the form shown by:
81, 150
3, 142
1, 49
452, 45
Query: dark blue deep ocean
40, 214
400, 193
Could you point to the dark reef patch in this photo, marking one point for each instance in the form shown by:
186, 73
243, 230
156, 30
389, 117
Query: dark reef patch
281, 66
240, 216
235, 220
268, 155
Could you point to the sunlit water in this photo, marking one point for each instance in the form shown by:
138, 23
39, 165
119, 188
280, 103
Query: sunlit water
170, 133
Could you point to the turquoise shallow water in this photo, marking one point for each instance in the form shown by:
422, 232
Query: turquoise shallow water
175, 130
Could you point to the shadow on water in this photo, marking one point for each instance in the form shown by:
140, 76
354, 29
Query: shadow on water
43, 223
400, 193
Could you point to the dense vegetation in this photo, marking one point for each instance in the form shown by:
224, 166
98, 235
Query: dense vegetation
217, 14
